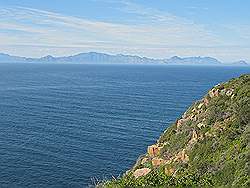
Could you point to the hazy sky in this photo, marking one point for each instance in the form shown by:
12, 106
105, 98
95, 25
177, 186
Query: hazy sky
152, 28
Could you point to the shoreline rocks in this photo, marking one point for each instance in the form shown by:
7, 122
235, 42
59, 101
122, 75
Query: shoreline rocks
154, 150
141, 172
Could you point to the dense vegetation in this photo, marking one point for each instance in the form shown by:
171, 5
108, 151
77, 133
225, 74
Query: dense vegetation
207, 146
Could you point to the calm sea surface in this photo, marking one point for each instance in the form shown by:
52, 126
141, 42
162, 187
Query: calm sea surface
61, 125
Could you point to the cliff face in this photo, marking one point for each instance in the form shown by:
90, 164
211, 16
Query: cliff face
207, 146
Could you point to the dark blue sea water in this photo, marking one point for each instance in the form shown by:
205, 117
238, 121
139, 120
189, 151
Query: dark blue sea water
61, 125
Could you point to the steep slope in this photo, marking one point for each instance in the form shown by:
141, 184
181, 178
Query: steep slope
207, 146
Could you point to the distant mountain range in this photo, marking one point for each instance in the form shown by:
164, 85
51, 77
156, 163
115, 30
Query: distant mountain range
241, 62
102, 58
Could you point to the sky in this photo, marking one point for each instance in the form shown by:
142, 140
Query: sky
151, 28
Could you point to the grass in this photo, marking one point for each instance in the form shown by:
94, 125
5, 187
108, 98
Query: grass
219, 158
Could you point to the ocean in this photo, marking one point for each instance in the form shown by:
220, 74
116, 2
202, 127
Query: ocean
66, 125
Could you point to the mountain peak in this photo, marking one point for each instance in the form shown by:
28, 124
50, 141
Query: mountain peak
47, 58
240, 62
175, 58
193, 60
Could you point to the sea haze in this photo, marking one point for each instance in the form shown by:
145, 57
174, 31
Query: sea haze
61, 125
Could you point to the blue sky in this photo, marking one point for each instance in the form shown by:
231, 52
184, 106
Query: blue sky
159, 28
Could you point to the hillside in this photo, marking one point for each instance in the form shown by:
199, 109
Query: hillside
207, 146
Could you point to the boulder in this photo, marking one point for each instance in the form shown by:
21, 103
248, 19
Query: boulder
182, 156
211, 93
199, 111
184, 116
229, 92
144, 160
200, 125
169, 171
193, 117
206, 101
201, 137
154, 150
194, 137
179, 123
141, 172
158, 162
200, 105
214, 93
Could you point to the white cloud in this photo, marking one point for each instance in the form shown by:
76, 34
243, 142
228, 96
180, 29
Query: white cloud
32, 32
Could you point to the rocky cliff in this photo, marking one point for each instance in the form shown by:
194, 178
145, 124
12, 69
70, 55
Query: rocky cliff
207, 146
